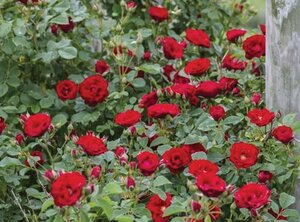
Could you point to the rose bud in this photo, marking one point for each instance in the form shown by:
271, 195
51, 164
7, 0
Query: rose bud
132, 165
120, 151
49, 175
239, 7
196, 207
123, 161
54, 29
90, 188
130, 184
130, 6
183, 44
96, 172
132, 130
217, 112
2, 125
255, 99
236, 91
74, 153
147, 56
19, 138
23, 117
264, 176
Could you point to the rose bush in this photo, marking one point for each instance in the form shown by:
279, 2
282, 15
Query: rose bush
135, 111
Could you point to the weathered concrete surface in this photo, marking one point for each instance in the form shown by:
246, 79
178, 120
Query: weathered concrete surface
283, 59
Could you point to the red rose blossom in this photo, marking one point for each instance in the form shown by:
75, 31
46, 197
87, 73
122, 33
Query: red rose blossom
173, 75
2, 125
243, 155
198, 37
197, 167
283, 134
261, 117
147, 162
264, 176
147, 55
159, 14
194, 148
101, 67
36, 125
255, 46
157, 207
227, 84
162, 110
255, 99
92, 145
252, 196
96, 172
66, 89
208, 89
38, 162
197, 67
66, 190
148, 100
234, 34
67, 27
217, 112
210, 184
172, 49
93, 90
176, 159
187, 91
231, 63
128, 118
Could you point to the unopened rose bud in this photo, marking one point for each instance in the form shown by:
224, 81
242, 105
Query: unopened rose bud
246, 100
90, 188
123, 161
132, 130
96, 172
19, 138
147, 55
264, 176
120, 151
130, 183
183, 44
74, 153
255, 99
236, 91
196, 207
130, 6
49, 175
23, 117
54, 29
132, 165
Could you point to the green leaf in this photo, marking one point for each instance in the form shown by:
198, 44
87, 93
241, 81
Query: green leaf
138, 82
112, 188
3, 89
199, 155
106, 205
286, 200
215, 157
233, 120
207, 219
58, 218
173, 209
5, 28
59, 120
123, 218
162, 195
62, 6
160, 181
60, 19
151, 68
8, 161
46, 204
289, 119
46, 102
84, 216
68, 52
178, 219
159, 141
145, 32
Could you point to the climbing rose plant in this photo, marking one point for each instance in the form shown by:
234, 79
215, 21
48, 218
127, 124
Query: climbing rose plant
135, 111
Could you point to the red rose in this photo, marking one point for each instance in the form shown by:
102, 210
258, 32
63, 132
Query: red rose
208, 89
187, 91
243, 155
234, 34
197, 37
38, 162
66, 89
162, 110
96, 172
130, 183
54, 29
197, 67
210, 184
194, 148
255, 46
147, 162
93, 90
147, 56
19, 138
2, 125
67, 188
159, 14
264, 176
148, 100
92, 145
283, 134
173, 75
227, 84
157, 207
261, 117
172, 49
128, 118
217, 112
197, 167
36, 125
255, 99
252, 196
263, 28
67, 27
101, 67
131, 5
176, 159
231, 63
120, 151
